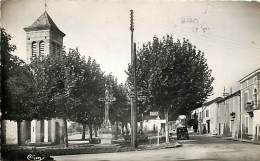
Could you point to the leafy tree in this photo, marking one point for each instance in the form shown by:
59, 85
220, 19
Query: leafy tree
56, 76
17, 86
119, 111
88, 89
172, 76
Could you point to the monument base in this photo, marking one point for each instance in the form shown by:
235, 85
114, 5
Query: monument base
106, 135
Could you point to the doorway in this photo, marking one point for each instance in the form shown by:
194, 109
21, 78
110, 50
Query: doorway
208, 126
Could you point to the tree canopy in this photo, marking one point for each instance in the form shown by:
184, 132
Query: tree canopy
171, 75
17, 91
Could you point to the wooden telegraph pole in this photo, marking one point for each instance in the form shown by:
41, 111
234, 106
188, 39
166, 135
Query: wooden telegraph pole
134, 96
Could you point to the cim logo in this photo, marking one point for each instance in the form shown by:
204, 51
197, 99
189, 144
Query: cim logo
33, 157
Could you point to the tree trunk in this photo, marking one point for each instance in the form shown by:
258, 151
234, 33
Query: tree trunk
117, 129
3, 132
83, 137
141, 123
66, 133
95, 130
19, 141
122, 126
166, 112
90, 132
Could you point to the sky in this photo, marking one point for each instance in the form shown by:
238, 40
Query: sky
227, 32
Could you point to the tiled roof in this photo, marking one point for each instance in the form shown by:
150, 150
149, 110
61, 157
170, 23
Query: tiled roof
43, 22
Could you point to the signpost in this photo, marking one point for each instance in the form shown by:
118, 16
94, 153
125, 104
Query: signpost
156, 113
158, 130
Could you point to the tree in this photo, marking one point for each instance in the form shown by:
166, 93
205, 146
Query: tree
119, 108
17, 92
173, 76
56, 76
88, 89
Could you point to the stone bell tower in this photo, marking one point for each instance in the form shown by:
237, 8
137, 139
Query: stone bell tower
43, 37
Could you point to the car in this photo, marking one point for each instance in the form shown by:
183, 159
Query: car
182, 133
172, 132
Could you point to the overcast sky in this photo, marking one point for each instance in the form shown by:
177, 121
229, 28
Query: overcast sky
228, 32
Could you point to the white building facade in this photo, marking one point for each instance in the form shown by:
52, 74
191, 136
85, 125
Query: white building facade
250, 105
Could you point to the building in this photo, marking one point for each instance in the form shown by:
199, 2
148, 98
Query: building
228, 115
207, 117
43, 37
250, 105
152, 122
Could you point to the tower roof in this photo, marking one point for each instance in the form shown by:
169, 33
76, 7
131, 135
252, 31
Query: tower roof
44, 22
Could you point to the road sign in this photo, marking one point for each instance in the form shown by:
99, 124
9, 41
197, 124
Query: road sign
154, 113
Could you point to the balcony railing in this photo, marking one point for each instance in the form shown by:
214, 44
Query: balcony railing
249, 106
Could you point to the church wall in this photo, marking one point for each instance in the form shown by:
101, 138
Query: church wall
35, 131
25, 132
10, 132
57, 131
56, 42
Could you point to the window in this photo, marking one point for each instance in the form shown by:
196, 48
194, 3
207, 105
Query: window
207, 113
246, 99
41, 48
255, 97
246, 125
34, 51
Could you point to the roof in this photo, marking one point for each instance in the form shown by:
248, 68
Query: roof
249, 75
44, 22
237, 93
212, 101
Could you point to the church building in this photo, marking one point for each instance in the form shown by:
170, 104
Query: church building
43, 37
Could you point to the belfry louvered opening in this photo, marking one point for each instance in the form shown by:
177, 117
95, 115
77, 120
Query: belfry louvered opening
34, 49
41, 48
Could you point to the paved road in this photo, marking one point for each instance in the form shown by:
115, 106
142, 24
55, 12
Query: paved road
198, 148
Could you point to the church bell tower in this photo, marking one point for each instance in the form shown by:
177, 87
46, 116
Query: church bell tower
43, 37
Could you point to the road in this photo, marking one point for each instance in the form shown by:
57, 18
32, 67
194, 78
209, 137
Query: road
198, 148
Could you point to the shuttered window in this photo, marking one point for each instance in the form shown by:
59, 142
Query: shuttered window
41, 48
34, 50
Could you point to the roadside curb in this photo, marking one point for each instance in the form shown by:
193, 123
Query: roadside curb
245, 141
94, 149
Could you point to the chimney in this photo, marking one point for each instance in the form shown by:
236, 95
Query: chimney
225, 94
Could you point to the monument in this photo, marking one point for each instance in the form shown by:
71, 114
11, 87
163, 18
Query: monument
106, 131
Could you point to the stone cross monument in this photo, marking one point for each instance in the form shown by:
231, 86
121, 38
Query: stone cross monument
106, 134
108, 99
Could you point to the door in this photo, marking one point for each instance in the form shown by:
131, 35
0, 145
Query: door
208, 126
232, 128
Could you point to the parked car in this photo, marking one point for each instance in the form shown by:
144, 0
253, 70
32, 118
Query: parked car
182, 133
172, 132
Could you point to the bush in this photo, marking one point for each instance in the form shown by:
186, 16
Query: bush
10, 153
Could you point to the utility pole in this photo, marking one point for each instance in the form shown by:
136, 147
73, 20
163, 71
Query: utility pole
134, 96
